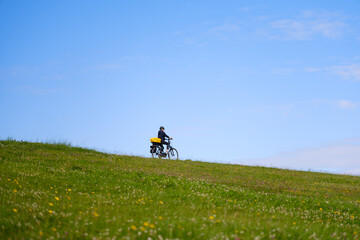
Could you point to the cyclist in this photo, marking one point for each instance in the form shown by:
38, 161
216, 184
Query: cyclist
162, 135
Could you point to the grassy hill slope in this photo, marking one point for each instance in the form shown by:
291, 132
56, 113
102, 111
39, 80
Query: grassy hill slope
55, 190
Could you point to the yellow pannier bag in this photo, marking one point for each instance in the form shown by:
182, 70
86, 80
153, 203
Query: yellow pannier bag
155, 140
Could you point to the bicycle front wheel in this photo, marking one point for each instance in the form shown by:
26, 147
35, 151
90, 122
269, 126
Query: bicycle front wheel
173, 154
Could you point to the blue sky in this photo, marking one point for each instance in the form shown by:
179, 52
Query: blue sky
250, 82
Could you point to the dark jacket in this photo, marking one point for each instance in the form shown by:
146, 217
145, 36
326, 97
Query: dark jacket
162, 135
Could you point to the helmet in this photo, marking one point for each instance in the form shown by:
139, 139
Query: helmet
161, 127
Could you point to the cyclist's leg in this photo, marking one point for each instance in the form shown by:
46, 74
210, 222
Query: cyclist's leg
166, 143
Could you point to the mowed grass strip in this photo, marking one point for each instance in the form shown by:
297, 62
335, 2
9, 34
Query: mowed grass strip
59, 191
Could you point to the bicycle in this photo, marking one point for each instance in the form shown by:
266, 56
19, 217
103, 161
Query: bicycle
156, 150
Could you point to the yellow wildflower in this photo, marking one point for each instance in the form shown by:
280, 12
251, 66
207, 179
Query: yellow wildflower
133, 227
51, 204
320, 209
41, 233
57, 199
160, 218
69, 190
15, 210
294, 223
54, 229
211, 217
142, 229
50, 211
15, 190
146, 224
161, 202
95, 214
152, 225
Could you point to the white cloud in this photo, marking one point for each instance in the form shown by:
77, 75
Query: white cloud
342, 157
345, 104
308, 25
226, 30
286, 110
342, 104
312, 69
245, 9
347, 72
282, 71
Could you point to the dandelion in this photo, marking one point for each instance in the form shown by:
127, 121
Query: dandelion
211, 217
161, 202
133, 227
320, 209
69, 190
68, 197
95, 214
50, 211
15, 191
294, 223
352, 217
51, 204
142, 229
57, 199
146, 224
218, 221
160, 218
152, 225
9, 179
15, 210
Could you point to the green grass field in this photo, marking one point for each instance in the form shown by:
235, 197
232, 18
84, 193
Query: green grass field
58, 191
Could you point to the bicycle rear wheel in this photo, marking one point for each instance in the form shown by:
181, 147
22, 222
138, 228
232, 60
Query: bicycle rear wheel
173, 154
156, 152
